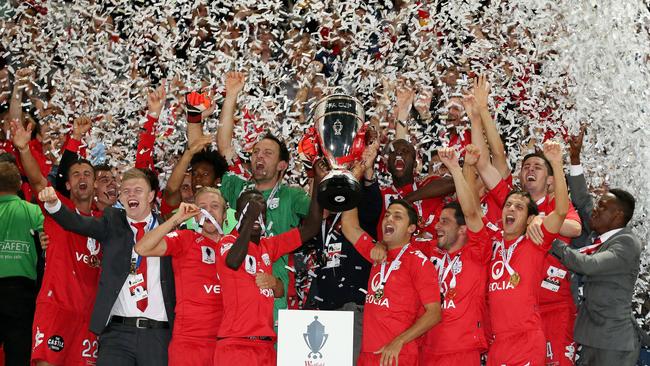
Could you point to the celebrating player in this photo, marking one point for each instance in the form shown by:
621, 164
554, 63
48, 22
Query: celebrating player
198, 291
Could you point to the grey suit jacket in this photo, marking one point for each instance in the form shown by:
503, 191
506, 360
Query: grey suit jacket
114, 232
584, 204
605, 317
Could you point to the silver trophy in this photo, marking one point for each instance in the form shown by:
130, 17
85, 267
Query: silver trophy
340, 126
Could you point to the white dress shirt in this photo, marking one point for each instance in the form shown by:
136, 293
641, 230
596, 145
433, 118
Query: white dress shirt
126, 305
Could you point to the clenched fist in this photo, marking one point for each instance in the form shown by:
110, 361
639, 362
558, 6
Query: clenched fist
48, 195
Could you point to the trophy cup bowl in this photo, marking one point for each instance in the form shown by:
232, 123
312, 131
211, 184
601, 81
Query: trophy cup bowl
339, 123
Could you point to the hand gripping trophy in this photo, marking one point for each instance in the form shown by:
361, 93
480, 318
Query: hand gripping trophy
339, 135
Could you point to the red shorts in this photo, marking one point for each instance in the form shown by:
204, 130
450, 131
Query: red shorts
558, 328
465, 358
371, 359
244, 352
191, 351
518, 349
61, 337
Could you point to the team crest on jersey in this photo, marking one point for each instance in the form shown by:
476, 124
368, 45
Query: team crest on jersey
266, 259
207, 255
484, 208
225, 247
420, 255
457, 267
250, 264
173, 234
38, 339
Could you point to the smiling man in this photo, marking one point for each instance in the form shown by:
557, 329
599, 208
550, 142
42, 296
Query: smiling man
429, 193
403, 299
134, 307
60, 331
199, 307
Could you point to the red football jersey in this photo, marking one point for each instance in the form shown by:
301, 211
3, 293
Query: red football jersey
247, 309
556, 279
513, 302
408, 288
428, 210
463, 277
199, 305
492, 202
71, 265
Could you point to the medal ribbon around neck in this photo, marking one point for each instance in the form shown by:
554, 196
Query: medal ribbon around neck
383, 276
443, 270
91, 243
507, 254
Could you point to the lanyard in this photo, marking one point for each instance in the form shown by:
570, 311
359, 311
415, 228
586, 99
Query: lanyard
383, 278
206, 215
507, 254
135, 261
443, 270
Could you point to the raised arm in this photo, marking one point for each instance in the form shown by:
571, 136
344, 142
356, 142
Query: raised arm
350, 219
146, 139
405, 96
311, 224
580, 196
23, 79
20, 137
153, 243
172, 192
234, 84
466, 198
553, 222
238, 251
499, 158
435, 188
94, 227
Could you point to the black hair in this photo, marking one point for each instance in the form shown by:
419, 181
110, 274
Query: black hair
79, 161
103, 168
533, 210
212, 158
243, 197
626, 202
458, 212
547, 163
413, 215
284, 151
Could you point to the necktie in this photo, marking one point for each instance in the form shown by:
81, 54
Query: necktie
142, 269
591, 249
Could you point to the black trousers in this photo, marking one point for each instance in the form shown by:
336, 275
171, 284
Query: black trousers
17, 307
121, 345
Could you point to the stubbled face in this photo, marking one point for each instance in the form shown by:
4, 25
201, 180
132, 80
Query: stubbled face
401, 159
81, 179
136, 197
447, 229
515, 214
533, 176
214, 204
187, 193
605, 213
203, 175
106, 187
395, 226
456, 111
265, 160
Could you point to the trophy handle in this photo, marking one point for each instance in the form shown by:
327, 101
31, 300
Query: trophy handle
325, 336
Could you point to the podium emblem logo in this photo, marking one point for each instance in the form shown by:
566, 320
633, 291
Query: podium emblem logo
315, 339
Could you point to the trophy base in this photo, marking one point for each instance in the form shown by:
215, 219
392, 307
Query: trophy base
339, 191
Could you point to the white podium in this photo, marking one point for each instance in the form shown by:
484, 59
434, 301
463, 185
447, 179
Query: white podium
315, 338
